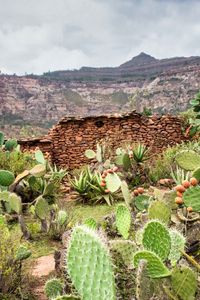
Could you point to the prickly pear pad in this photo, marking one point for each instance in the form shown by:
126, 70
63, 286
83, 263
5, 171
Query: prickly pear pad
89, 265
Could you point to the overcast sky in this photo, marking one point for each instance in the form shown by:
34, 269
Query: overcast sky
41, 35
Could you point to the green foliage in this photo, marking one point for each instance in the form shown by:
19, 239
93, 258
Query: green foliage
126, 193
14, 203
6, 178
53, 288
40, 157
91, 223
140, 153
41, 208
188, 160
184, 282
141, 202
160, 211
191, 198
113, 182
126, 161
10, 144
67, 297
156, 238
81, 183
62, 217
1, 139
90, 154
93, 278
155, 267
125, 248
38, 170
177, 245
179, 175
123, 220
196, 174
22, 253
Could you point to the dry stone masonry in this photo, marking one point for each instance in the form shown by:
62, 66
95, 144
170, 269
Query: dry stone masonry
68, 140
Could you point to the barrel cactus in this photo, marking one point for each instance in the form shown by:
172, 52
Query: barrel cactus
89, 265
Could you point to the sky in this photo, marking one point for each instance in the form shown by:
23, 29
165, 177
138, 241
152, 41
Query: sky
37, 36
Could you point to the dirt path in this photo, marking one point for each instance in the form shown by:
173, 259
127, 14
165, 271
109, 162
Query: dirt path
42, 268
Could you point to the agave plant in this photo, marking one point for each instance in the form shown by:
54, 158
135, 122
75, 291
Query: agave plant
81, 183
140, 153
179, 175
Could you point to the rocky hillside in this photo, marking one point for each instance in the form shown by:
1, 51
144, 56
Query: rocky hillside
31, 104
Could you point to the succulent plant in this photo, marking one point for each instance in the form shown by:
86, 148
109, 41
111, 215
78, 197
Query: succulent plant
89, 265
196, 173
188, 160
22, 253
91, 223
38, 170
53, 288
123, 220
40, 157
125, 248
1, 139
15, 203
6, 178
156, 238
160, 211
141, 202
67, 297
41, 208
191, 198
62, 217
155, 267
10, 144
177, 245
126, 161
184, 282
126, 193
113, 182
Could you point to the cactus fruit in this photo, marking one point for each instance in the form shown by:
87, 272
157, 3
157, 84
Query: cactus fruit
6, 178
191, 198
53, 288
1, 139
89, 265
196, 173
41, 208
113, 182
142, 202
160, 211
188, 160
155, 267
184, 282
10, 144
156, 238
91, 223
22, 253
38, 170
40, 157
123, 220
125, 248
126, 193
177, 245
62, 217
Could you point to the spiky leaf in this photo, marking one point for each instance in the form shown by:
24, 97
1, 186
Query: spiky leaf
156, 238
160, 211
62, 217
123, 220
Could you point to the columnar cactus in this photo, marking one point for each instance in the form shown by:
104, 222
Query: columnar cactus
123, 220
89, 265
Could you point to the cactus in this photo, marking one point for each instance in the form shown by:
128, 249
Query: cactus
113, 182
123, 220
184, 282
1, 139
177, 245
155, 267
15, 203
141, 202
89, 265
188, 160
22, 253
91, 223
38, 170
191, 198
41, 208
6, 178
99, 154
62, 217
40, 157
126, 193
160, 211
144, 289
67, 297
125, 248
156, 238
10, 144
126, 162
90, 154
53, 288
196, 173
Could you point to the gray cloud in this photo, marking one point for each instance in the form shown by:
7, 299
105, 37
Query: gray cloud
41, 35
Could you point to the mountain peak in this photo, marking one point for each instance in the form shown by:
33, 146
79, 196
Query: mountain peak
139, 60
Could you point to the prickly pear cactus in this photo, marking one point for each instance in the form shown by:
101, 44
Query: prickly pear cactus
155, 267
196, 173
160, 211
126, 162
38, 170
40, 157
126, 193
1, 139
191, 198
141, 202
41, 208
62, 217
10, 144
6, 178
53, 288
15, 203
123, 220
156, 238
22, 253
89, 265
177, 245
90, 154
91, 223
143, 282
67, 297
184, 283
113, 182
188, 160
125, 248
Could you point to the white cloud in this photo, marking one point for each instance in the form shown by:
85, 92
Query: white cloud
37, 36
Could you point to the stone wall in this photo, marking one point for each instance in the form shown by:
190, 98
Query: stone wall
68, 140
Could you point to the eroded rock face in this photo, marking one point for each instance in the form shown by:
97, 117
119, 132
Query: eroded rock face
40, 101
